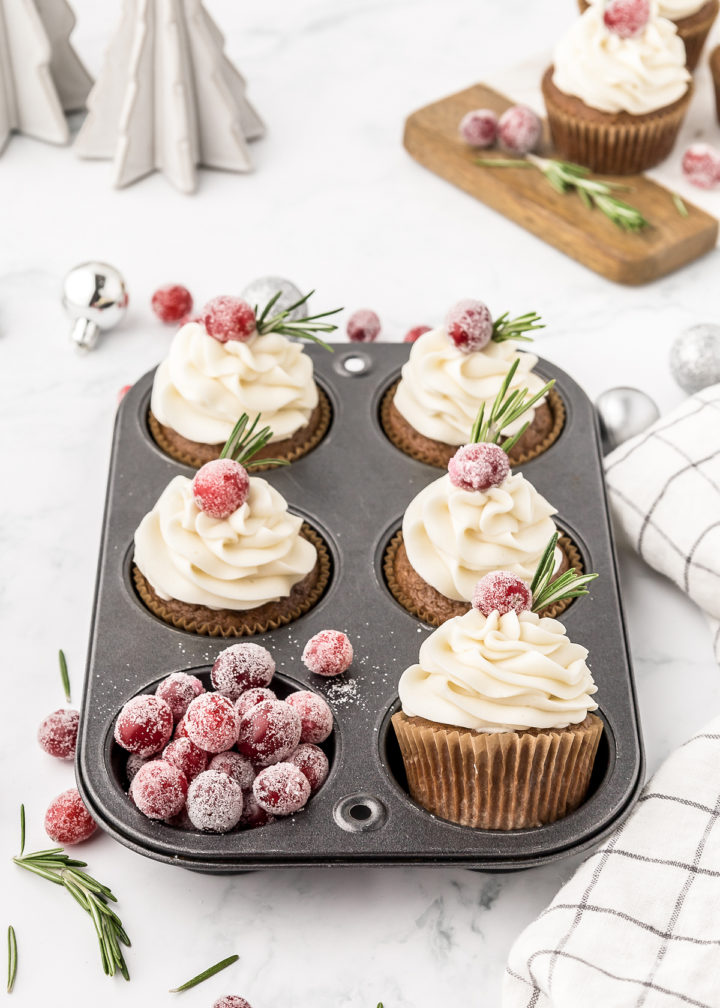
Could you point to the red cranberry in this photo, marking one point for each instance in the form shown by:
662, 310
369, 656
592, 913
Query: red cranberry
181, 820
144, 725
67, 821
501, 592
229, 318
134, 762
363, 326
231, 1001
281, 789
211, 722
251, 697
269, 732
57, 734
214, 802
313, 762
159, 789
178, 691
520, 129
172, 302
328, 653
479, 128
242, 667
220, 487
701, 165
186, 756
236, 766
414, 334
478, 467
316, 718
626, 18
469, 325
181, 729
252, 815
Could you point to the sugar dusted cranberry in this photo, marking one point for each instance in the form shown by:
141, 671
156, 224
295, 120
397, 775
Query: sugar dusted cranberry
479, 128
181, 729
251, 697
57, 734
178, 691
211, 722
626, 18
252, 815
269, 732
159, 789
220, 487
214, 802
181, 820
363, 326
478, 467
316, 718
469, 325
235, 765
701, 165
134, 762
144, 725
242, 667
67, 821
501, 592
231, 1001
328, 653
519, 129
172, 302
186, 756
313, 762
229, 318
414, 334
281, 789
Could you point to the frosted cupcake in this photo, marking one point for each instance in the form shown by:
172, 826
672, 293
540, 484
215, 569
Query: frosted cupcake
235, 359
455, 369
496, 728
221, 554
619, 89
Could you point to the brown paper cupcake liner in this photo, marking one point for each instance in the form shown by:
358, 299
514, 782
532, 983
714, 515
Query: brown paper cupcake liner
209, 622
715, 70
422, 600
545, 429
611, 144
503, 781
196, 454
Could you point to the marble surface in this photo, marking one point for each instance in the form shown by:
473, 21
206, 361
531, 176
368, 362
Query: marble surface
336, 204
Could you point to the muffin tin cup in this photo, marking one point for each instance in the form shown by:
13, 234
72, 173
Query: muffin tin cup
353, 488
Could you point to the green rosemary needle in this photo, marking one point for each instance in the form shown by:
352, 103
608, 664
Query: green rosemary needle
64, 675
206, 974
546, 591
302, 328
506, 409
243, 443
12, 958
680, 206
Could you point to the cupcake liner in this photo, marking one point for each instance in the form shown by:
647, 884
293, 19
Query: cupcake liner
420, 599
715, 69
502, 781
242, 622
196, 454
439, 453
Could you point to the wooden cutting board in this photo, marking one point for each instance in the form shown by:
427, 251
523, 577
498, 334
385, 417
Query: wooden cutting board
524, 196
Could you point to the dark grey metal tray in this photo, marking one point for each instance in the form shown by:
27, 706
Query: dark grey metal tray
354, 488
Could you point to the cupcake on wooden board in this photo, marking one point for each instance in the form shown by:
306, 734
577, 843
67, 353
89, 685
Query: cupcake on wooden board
619, 89
221, 554
238, 359
455, 369
479, 517
496, 729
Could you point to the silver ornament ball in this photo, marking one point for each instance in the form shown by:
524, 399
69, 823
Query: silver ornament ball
259, 292
695, 357
624, 412
96, 298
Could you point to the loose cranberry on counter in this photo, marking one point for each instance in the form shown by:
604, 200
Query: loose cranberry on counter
172, 303
520, 129
67, 821
58, 733
363, 326
479, 128
701, 165
328, 653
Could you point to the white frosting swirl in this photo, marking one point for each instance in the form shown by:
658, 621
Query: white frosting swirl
499, 673
255, 556
454, 537
613, 74
442, 389
203, 386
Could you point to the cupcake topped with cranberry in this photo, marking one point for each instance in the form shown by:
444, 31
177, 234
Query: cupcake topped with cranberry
237, 359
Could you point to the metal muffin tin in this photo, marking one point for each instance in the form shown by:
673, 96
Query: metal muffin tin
354, 488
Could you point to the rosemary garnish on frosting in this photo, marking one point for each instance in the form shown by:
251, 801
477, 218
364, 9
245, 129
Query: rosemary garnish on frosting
546, 591
303, 328
243, 443
505, 410
505, 328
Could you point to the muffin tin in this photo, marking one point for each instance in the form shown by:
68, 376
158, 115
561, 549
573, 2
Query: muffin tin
353, 488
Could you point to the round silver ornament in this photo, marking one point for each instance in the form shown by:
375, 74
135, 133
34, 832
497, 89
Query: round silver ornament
624, 412
96, 298
695, 357
259, 292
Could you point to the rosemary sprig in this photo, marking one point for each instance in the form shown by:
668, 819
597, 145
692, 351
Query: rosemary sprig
505, 328
22, 830
64, 675
243, 443
569, 585
303, 328
680, 206
210, 971
12, 958
564, 176
504, 411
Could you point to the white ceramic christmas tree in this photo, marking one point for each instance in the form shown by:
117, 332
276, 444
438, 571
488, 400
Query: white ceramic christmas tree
41, 76
168, 99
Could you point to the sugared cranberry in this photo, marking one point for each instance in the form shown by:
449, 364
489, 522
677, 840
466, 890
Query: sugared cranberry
469, 325
181, 729
172, 302
313, 762
178, 691
134, 762
701, 165
186, 756
501, 592
478, 467
229, 318
231, 1001
214, 802
328, 653
159, 789
57, 734
144, 725
281, 789
181, 820
242, 667
519, 129
252, 815
211, 722
626, 18
67, 821
252, 697
363, 326
220, 487
269, 732
479, 128
236, 766
316, 718
414, 334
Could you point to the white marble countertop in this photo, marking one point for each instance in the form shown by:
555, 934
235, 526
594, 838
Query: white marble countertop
336, 204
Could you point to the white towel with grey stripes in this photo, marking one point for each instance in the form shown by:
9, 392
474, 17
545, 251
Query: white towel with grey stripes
638, 925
